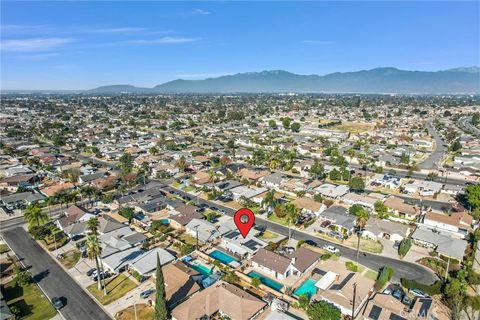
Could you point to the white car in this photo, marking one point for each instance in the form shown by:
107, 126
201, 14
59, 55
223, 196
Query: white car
330, 248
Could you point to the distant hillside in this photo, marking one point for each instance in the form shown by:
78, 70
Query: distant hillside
379, 80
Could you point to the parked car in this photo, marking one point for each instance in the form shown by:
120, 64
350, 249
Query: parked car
222, 211
311, 243
406, 301
330, 248
91, 271
417, 293
397, 294
146, 293
387, 291
57, 303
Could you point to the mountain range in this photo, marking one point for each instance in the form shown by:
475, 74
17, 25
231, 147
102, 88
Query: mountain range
379, 80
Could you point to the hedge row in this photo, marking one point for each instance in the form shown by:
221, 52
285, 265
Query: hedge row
433, 289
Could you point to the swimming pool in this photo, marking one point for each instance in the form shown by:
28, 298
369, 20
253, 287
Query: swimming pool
266, 281
200, 267
222, 257
308, 288
164, 221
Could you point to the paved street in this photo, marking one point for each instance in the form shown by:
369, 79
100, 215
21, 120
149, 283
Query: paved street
434, 159
466, 124
403, 269
52, 278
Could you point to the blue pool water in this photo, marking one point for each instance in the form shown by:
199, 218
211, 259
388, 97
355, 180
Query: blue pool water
222, 257
200, 267
164, 221
307, 287
266, 281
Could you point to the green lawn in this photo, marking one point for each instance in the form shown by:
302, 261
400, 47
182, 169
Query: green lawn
4, 248
144, 312
188, 239
273, 217
116, 288
70, 258
267, 235
371, 275
189, 189
31, 302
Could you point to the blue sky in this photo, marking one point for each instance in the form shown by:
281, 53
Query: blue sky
82, 45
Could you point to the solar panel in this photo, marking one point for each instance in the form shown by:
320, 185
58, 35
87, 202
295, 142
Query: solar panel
375, 312
394, 316
426, 304
319, 271
232, 234
343, 283
251, 244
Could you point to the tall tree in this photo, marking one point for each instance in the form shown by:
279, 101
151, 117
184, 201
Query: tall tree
360, 223
292, 215
161, 312
93, 252
35, 215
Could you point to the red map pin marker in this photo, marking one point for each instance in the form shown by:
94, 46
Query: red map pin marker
244, 220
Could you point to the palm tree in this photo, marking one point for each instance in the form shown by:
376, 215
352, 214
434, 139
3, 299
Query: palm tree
182, 163
94, 250
292, 215
360, 223
269, 200
35, 215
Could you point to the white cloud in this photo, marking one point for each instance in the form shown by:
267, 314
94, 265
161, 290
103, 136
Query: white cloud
164, 40
320, 42
201, 75
38, 56
33, 44
201, 12
17, 28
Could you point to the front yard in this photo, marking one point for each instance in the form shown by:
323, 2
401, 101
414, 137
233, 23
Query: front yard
70, 258
29, 300
188, 239
116, 288
268, 235
143, 311
273, 217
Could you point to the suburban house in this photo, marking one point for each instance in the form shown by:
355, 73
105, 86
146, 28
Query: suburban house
386, 181
120, 239
310, 206
401, 209
273, 180
204, 230
340, 220
246, 192
143, 262
20, 200
332, 191
367, 201
74, 223
220, 299
179, 221
180, 282
337, 287
252, 175
303, 260
234, 242
273, 264
439, 241
459, 223
423, 187
383, 307
377, 229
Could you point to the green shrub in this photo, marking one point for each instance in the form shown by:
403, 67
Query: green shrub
433, 289
404, 246
4, 248
137, 276
386, 273
351, 266
326, 256
255, 282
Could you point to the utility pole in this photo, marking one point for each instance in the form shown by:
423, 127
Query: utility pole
446, 270
196, 231
354, 296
